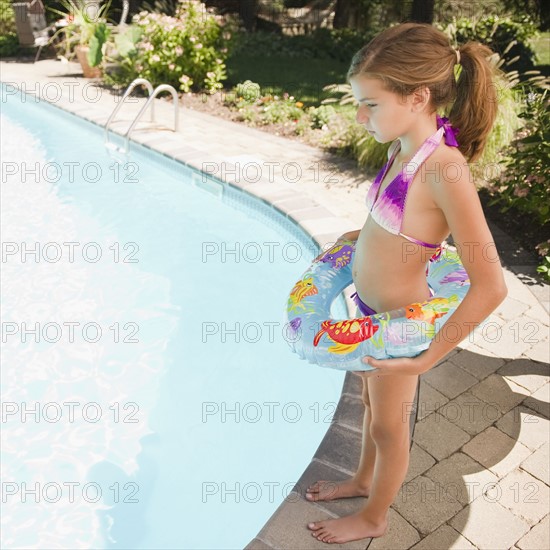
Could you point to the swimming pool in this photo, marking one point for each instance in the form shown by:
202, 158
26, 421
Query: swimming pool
149, 396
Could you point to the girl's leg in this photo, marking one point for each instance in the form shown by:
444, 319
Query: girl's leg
360, 483
390, 398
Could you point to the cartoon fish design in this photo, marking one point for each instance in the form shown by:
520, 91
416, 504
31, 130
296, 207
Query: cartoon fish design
338, 256
301, 289
429, 311
346, 334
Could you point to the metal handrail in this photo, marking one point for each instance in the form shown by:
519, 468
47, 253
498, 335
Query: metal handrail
156, 92
129, 90
152, 94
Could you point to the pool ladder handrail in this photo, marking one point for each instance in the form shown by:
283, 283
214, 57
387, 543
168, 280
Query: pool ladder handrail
153, 93
134, 84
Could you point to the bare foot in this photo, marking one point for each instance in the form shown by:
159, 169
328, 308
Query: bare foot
331, 490
346, 529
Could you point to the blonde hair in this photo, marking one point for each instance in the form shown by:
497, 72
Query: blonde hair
411, 55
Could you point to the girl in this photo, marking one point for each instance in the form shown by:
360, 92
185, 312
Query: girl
422, 194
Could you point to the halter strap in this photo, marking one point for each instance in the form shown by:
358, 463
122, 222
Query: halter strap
429, 146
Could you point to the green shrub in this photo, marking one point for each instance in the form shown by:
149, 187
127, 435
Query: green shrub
543, 250
525, 183
321, 116
249, 91
9, 45
184, 51
7, 19
510, 38
338, 44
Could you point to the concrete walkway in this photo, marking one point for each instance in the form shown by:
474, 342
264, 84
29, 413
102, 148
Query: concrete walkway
478, 475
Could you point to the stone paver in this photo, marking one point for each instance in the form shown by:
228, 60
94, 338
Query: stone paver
438, 436
419, 462
525, 373
470, 413
501, 392
537, 464
510, 308
400, 535
540, 401
524, 495
538, 313
444, 537
257, 544
350, 412
461, 478
424, 504
488, 525
340, 446
512, 339
540, 351
499, 374
430, 399
449, 379
287, 528
524, 425
538, 538
496, 451
317, 471
477, 361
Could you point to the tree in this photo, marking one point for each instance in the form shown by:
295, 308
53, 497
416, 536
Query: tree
422, 11
350, 14
248, 10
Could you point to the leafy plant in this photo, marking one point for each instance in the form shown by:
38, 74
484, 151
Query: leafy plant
9, 45
83, 27
544, 268
525, 184
7, 18
510, 38
186, 50
320, 116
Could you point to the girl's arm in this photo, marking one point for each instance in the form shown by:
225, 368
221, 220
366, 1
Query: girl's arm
459, 201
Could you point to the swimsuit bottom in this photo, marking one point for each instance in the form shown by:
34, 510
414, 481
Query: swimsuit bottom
365, 309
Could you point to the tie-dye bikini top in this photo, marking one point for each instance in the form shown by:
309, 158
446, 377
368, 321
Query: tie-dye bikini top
387, 210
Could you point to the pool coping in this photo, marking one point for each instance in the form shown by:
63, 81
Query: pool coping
344, 432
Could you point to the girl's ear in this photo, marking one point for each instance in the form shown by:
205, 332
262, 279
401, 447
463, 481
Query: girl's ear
420, 98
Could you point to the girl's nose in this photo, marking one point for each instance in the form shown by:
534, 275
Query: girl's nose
361, 116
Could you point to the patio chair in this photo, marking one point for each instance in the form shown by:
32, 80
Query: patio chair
31, 26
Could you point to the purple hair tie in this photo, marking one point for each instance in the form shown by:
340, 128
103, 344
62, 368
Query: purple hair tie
449, 131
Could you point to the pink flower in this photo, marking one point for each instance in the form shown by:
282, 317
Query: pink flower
179, 50
523, 192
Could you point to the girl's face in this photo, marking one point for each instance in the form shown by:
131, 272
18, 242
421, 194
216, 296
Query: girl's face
386, 115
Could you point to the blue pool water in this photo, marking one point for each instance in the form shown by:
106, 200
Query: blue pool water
177, 418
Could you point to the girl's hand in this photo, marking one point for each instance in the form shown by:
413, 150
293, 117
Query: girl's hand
350, 236
399, 365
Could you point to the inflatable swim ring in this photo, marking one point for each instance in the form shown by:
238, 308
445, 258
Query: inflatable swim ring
404, 332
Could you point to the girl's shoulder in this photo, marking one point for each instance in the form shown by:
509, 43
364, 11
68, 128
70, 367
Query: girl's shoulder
446, 164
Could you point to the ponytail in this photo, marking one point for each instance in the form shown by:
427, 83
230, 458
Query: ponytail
476, 105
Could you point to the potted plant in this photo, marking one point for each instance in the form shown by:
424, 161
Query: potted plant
86, 31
